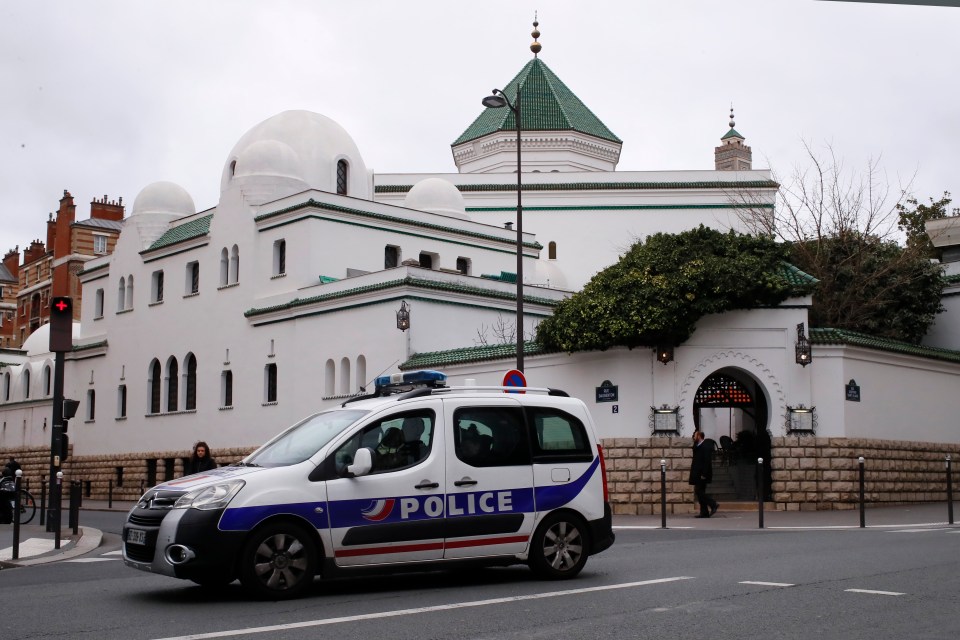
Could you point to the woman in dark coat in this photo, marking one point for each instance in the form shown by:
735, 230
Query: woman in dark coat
201, 460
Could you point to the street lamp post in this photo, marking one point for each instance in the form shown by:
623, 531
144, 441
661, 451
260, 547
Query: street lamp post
496, 101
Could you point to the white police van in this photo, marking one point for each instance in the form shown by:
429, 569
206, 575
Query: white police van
415, 475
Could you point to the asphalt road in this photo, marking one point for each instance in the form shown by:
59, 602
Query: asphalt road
675, 583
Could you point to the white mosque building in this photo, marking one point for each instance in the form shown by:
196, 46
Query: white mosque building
230, 323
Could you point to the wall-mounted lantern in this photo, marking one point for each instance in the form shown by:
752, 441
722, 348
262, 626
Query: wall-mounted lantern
804, 352
665, 353
403, 316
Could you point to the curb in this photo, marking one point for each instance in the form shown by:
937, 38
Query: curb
86, 541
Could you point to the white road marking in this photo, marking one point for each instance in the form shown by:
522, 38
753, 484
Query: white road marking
91, 560
878, 593
920, 530
28, 547
408, 612
640, 526
118, 552
869, 526
768, 584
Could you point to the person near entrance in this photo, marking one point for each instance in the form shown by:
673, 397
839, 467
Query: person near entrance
701, 474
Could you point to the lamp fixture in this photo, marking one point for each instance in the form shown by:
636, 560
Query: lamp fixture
804, 351
403, 316
665, 353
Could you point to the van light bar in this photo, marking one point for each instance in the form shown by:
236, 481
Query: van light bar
424, 377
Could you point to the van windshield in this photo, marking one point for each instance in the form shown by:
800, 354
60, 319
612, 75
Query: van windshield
303, 439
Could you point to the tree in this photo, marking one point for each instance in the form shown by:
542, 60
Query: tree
912, 221
841, 228
662, 286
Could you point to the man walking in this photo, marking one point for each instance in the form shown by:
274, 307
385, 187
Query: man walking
701, 474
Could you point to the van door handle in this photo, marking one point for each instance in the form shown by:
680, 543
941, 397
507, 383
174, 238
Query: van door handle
426, 484
465, 482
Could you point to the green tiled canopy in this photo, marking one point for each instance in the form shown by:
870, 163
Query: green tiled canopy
546, 104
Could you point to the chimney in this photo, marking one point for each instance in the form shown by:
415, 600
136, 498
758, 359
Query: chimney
65, 217
34, 252
106, 209
12, 261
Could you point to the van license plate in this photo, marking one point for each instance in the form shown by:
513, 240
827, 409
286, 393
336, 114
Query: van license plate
136, 536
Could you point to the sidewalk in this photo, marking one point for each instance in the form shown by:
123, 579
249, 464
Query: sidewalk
37, 544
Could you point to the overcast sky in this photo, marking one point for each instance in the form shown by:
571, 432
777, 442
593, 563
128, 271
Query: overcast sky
103, 97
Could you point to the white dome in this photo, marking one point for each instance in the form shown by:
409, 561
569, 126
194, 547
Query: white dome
548, 273
164, 198
38, 343
268, 158
315, 143
437, 196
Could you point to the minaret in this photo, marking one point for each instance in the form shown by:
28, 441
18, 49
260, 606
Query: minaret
732, 154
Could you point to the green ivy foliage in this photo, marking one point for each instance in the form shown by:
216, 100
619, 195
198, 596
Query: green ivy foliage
663, 285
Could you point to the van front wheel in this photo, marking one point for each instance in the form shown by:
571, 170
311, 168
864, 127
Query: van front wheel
559, 547
278, 561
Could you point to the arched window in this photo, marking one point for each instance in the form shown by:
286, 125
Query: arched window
226, 388
192, 278
270, 382
279, 257
173, 372
190, 394
342, 175
121, 294
26, 384
154, 386
330, 379
6, 387
344, 376
47, 388
91, 404
98, 304
361, 373
122, 401
552, 250
234, 265
129, 303
391, 257
224, 267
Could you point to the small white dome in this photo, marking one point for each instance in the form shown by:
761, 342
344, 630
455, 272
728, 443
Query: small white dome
268, 158
437, 196
165, 198
38, 343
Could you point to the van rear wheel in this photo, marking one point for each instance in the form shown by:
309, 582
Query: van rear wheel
559, 547
278, 562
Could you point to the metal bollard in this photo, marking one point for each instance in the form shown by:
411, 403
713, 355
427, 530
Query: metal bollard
863, 515
760, 490
75, 499
43, 500
949, 493
16, 514
663, 494
55, 509
110, 494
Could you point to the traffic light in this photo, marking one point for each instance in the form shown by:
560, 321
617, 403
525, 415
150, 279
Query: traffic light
69, 410
61, 323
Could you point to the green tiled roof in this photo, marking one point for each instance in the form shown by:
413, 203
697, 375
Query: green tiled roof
186, 231
732, 134
546, 104
799, 279
503, 276
854, 339
596, 186
440, 359
432, 285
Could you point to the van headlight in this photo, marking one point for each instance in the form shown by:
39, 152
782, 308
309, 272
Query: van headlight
216, 496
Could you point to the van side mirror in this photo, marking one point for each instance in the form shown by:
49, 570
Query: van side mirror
362, 463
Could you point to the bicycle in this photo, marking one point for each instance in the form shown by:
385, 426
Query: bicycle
28, 506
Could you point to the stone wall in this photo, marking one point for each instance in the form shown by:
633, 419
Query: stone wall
824, 473
808, 473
